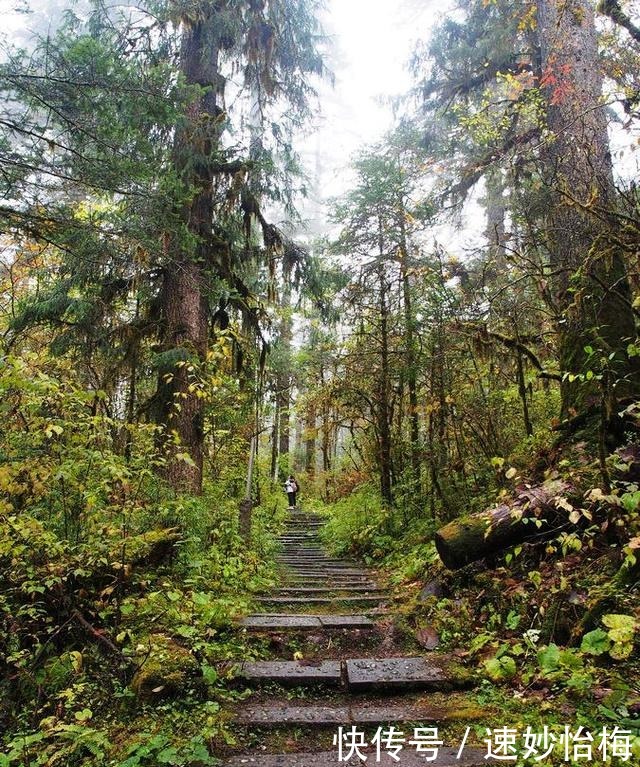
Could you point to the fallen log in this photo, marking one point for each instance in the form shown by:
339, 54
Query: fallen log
533, 512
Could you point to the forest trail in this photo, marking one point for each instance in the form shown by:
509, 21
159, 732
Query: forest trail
337, 662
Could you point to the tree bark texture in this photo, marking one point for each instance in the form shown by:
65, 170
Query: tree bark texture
183, 298
410, 350
384, 396
284, 376
310, 441
590, 284
496, 213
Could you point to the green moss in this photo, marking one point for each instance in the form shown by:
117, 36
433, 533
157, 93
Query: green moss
169, 670
459, 675
153, 547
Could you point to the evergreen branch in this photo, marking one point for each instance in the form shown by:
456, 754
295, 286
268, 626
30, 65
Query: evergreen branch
472, 177
54, 173
518, 345
452, 89
612, 9
117, 87
14, 127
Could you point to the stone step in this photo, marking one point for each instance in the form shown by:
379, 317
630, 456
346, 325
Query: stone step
295, 532
333, 584
279, 712
357, 580
304, 527
305, 554
447, 757
329, 589
315, 561
320, 600
319, 565
292, 672
302, 554
322, 571
326, 576
360, 674
404, 673
264, 622
304, 522
298, 539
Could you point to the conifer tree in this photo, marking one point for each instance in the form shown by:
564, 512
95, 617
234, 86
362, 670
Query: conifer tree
517, 88
158, 239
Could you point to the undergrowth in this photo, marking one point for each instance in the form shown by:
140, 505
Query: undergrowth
117, 598
550, 627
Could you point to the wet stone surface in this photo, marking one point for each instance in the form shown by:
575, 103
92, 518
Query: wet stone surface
345, 621
320, 600
268, 621
302, 590
274, 714
277, 713
292, 672
366, 673
281, 622
346, 594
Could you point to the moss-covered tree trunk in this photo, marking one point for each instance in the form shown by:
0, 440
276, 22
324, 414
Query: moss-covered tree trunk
383, 395
183, 299
284, 374
590, 283
410, 347
310, 440
530, 515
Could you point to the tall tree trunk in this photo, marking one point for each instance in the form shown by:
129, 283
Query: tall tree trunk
591, 287
326, 428
310, 441
522, 391
384, 426
410, 351
274, 441
284, 376
184, 306
495, 216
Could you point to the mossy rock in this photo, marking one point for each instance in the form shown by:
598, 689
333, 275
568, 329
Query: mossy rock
459, 675
151, 548
168, 671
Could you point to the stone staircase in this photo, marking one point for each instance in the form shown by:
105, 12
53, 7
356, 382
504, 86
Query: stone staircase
337, 663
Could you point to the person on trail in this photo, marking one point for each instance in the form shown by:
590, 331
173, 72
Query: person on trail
291, 488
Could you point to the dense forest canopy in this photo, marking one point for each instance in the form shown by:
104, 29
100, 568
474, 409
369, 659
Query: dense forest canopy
176, 341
